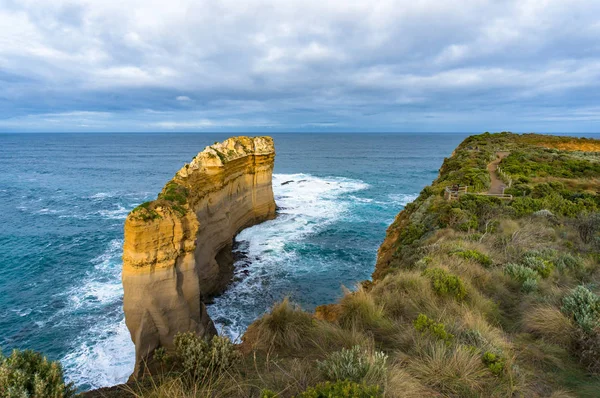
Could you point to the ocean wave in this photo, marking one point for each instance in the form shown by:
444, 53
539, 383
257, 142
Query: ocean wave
403, 198
103, 354
307, 205
102, 195
120, 213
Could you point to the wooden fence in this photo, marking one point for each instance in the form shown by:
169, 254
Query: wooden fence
453, 193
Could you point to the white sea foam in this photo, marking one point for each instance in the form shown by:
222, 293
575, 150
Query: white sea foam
120, 213
361, 200
102, 355
307, 205
102, 195
403, 198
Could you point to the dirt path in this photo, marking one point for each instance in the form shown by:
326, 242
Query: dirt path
497, 186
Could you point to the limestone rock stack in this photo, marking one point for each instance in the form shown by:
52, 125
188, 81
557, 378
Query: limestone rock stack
177, 248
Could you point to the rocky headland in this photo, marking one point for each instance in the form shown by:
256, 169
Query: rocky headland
178, 248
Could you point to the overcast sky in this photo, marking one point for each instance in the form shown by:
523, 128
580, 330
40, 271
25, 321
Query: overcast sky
300, 65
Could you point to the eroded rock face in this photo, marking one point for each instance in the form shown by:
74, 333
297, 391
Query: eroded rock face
177, 249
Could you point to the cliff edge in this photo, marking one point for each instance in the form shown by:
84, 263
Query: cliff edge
177, 248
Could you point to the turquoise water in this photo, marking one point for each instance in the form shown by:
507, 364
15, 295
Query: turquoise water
64, 197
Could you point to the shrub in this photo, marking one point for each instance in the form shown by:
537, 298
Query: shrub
587, 347
267, 394
587, 224
583, 306
474, 255
200, 358
445, 283
494, 362
530, 285
569, 261
354, 364
424, 324
342, 389
520, 273
411, 233
542, 267
29, 374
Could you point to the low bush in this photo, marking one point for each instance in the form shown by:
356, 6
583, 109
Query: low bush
426, 325
200, 358
542, 267
588, 225
445, 283
587, 348
567, 261
520, 273
356, 365
494, 362
342, 389
530, 285
474, 255
583, 306
29, 374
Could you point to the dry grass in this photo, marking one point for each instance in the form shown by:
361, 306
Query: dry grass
549, 323
286, 327
401, 384
455, 371
403, 296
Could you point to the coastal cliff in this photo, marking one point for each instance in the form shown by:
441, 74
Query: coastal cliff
177, 248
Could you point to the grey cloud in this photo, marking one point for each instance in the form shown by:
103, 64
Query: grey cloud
363, 65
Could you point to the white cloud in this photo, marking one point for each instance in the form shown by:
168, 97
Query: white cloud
287, 60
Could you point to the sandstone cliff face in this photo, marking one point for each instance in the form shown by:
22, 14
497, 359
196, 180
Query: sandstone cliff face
177, 249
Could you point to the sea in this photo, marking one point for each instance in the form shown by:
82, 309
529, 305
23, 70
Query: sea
64, 198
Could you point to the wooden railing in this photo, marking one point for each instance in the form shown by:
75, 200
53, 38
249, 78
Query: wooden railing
453, 193
505, 176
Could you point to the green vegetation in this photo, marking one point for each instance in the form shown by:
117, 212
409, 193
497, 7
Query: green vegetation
494, 362
342, 389
424, 324
29, 374
445, 283
474, 255
355, 364
145, 212
584, 307
475, 297
200, 358
174, 196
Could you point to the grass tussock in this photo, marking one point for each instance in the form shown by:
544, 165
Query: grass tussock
457, 372
549, 323
286, 327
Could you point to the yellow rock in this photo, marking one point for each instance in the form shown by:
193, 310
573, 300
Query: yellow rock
177, 249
